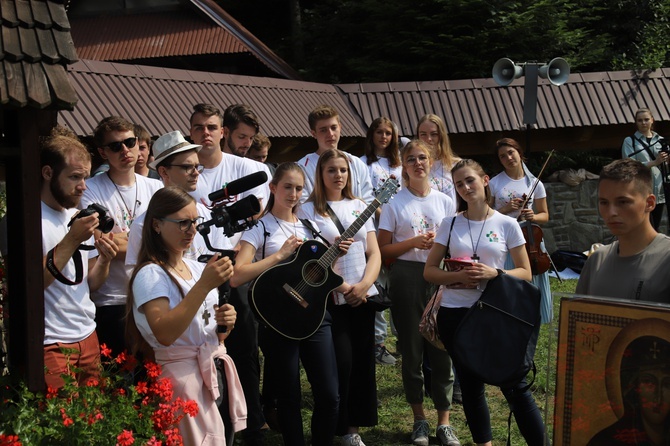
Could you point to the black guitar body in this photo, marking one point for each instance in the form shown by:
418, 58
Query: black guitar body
291, 297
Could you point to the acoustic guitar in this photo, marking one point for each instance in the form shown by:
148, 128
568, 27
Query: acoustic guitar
291, 297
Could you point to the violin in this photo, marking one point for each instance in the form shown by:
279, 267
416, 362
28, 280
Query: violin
540, 262
532, 232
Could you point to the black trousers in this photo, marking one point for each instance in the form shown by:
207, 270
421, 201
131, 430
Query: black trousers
242, 346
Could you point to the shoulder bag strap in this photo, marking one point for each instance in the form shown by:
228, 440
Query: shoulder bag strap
448, 253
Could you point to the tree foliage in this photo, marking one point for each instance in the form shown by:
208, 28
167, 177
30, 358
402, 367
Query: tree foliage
415, 40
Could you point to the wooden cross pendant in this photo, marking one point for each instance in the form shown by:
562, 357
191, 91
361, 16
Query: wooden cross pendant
205, 316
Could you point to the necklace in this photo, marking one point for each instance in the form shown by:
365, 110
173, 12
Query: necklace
295, 232
418, 193
179, 271
205, 313
475, 257
131, 215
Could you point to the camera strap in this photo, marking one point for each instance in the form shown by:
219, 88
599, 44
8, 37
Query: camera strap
78, 265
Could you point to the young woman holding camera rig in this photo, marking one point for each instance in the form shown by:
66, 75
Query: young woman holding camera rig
169, 313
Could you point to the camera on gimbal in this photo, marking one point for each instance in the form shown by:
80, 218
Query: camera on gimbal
665, 146
230, 214
235, 217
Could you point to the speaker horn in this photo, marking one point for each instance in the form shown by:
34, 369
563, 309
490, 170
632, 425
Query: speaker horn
557, 71
505, 71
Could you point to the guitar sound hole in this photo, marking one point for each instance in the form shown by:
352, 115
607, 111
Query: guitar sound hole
313, 273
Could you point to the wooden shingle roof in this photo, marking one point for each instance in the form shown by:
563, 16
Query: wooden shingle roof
35, 47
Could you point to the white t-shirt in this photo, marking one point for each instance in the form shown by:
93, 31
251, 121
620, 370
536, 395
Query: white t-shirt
491, 239
124, 203
152, 282
69, 313
352, 265
380, 171
407, 216
198, 247
231, 168
504, 188
277, 234
440, 179
361, 185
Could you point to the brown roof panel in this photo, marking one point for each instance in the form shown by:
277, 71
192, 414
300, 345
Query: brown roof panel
479, 105
201, 27
34, 50
162, 99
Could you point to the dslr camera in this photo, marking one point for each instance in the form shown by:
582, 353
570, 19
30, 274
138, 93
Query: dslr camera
106, 222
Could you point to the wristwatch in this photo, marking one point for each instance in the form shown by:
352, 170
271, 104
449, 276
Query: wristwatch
500, 271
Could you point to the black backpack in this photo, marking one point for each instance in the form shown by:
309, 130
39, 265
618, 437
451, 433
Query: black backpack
496, 339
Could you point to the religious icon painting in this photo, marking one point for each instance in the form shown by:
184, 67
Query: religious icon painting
613, 373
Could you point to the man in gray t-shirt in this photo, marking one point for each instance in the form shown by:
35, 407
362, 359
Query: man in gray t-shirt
637, 265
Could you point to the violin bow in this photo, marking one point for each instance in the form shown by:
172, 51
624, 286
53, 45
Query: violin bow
537, 180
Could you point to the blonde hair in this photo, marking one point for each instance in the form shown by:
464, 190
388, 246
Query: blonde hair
444, 153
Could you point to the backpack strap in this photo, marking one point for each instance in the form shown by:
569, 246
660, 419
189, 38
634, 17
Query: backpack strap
266, 234
645, 147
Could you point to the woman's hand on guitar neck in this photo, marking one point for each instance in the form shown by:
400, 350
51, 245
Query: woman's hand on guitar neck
344, 245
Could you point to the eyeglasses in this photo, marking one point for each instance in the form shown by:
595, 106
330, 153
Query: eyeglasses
117, 146
411, 160
185, 224
189, 168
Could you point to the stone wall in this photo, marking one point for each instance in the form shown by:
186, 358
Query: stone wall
574, 223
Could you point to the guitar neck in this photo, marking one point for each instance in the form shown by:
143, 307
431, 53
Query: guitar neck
334, 250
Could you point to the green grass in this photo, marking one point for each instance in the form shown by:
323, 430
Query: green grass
395, 416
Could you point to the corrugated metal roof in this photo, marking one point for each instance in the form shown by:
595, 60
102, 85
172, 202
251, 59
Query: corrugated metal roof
480, 105
35, 47
162, 99
201, 28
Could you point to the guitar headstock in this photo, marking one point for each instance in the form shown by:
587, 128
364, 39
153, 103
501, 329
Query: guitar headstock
387, 190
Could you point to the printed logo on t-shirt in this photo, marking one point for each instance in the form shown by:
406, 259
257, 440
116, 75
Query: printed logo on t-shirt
492, 237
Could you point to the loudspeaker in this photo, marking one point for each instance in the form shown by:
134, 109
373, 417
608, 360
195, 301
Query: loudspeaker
556, 71
505, 71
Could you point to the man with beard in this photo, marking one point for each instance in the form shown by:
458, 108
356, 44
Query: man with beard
126, 194
69, 317
208, 128
221, 165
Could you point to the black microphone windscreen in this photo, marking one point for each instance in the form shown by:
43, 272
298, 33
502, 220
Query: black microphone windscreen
240, 185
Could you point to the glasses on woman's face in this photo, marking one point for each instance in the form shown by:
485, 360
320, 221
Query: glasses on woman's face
185, 224
412, 160
117, 146
190, 169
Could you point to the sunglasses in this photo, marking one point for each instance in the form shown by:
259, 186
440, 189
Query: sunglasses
185, 224
117, 146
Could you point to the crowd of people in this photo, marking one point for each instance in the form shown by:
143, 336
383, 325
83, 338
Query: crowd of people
163, 282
